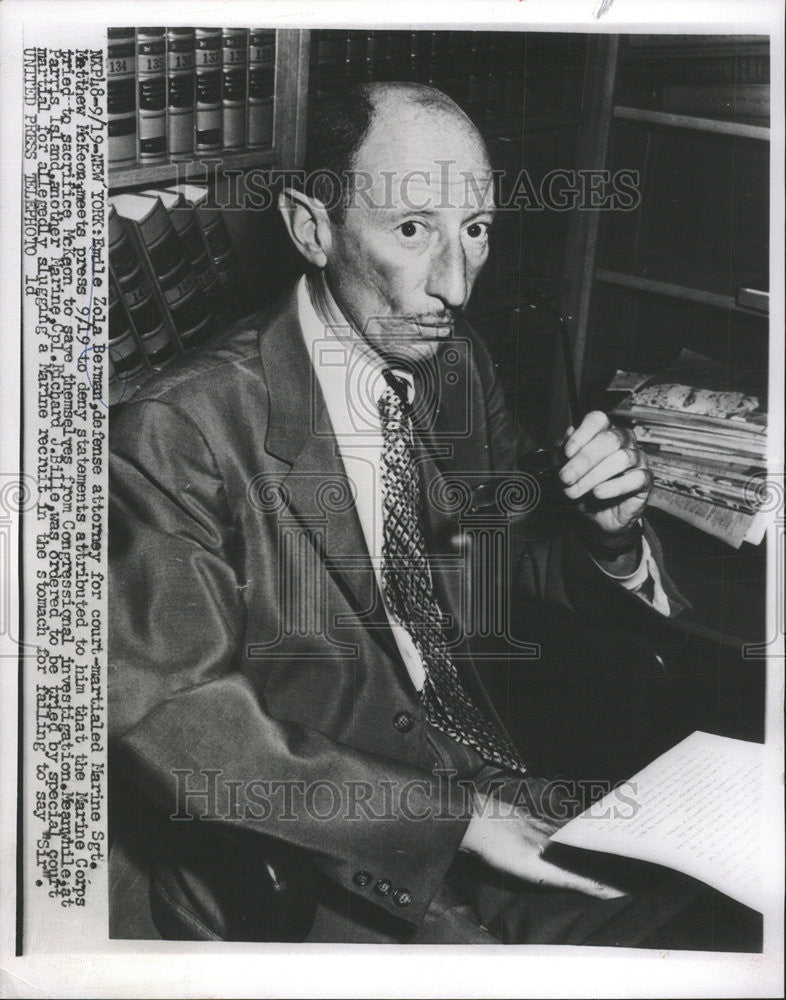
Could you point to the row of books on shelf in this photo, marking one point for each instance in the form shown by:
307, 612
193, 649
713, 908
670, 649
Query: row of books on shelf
718, 100
485, 72
706, 446
176, 92
174, 275
715, 79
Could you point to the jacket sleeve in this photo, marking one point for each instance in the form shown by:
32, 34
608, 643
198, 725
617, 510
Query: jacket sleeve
551, 562
187, 725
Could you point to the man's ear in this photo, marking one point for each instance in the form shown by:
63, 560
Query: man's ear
307, 223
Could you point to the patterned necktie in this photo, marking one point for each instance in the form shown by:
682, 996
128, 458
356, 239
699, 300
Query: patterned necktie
408, 589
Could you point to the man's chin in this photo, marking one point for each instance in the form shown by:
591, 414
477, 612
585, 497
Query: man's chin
413, 350
417, 340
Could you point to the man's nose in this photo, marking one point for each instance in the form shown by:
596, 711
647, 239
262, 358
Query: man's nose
448, 276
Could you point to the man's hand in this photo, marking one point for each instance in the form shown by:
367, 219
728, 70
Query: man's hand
606, 473
509, 839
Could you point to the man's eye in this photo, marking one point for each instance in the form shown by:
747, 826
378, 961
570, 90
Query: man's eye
477, 230
410, 229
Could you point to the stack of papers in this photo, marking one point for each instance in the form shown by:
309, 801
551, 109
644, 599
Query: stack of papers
707, 449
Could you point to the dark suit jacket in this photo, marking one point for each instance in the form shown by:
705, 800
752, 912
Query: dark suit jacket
228, 497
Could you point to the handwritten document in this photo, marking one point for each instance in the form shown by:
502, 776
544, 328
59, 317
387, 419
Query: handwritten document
697, 809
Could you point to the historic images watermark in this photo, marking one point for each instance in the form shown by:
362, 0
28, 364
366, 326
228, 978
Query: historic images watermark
561, 189
208, 794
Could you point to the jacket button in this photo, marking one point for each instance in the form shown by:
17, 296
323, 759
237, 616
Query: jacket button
383, 887
361, 878
403, 722
402, 897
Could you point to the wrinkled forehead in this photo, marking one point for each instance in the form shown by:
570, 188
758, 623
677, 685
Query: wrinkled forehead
418, 160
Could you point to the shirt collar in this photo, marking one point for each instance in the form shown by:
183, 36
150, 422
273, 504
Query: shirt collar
343, 361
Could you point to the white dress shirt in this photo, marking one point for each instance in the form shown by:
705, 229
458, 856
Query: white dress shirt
349, 373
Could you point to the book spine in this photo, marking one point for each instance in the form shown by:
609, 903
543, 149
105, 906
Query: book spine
180, 92
702, 45
194, 319
373, 51
477, 77
433, 56
184, 300
184, 220
394, 56
356, 67
121, 95
151, 94
261, 87
143, 307
222, 252
328, 63
234, 86
415, 55
126, 358
223, 257
513, 99
494, 96
731, 100
732, 69
153, 330
655, 73
208, 117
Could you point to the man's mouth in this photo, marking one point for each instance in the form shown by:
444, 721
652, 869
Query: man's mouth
409, 329
433, 330
435, 327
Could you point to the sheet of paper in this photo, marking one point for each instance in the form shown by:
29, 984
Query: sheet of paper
697, 809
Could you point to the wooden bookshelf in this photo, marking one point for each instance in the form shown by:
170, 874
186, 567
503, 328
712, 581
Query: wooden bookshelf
245, 272
620, 253
198, 169
666, 275
289, 129
669, 288
668, 119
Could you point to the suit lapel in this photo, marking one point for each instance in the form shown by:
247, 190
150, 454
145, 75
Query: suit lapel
316, 488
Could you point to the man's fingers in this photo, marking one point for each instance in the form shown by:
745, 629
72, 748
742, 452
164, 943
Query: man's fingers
603, 445
613, 465
632, 483
547, 874
592, 424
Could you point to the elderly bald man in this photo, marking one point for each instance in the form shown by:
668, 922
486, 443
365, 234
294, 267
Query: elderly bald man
291, 665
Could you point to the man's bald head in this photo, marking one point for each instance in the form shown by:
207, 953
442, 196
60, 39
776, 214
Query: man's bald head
376, 113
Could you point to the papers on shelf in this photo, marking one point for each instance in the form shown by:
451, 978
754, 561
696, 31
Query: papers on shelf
731, 526
706, 446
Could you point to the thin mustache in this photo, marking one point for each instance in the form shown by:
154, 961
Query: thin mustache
443, 319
